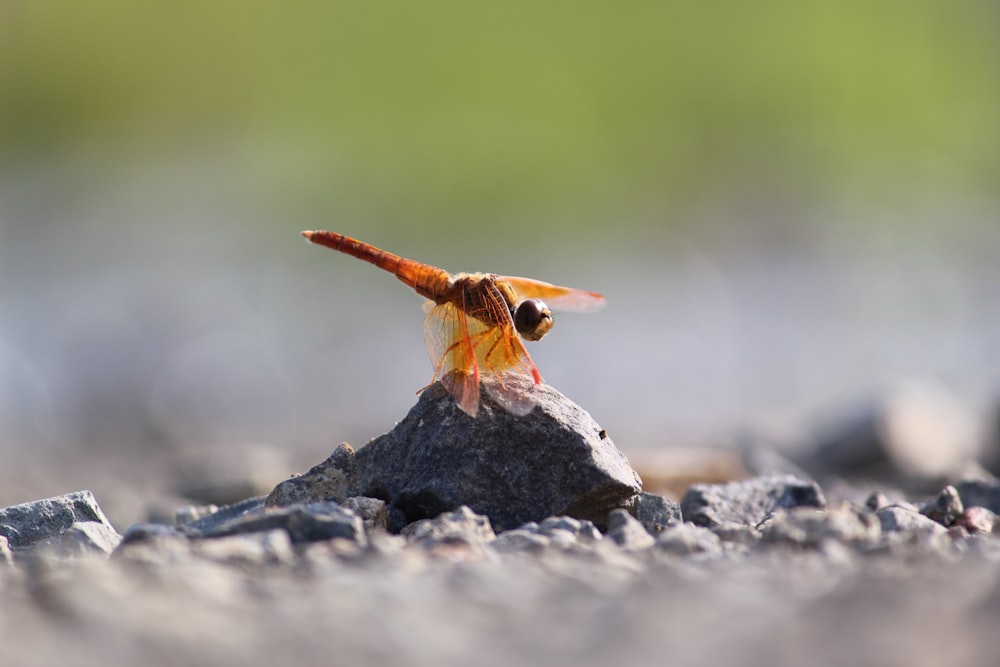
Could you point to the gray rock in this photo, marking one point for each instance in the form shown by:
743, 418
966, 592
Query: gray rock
918, 430
655, 512
372, 511
333, 479
895, 519
303, 523
685, 539
737, 533
208, 522
627, 532
980, 493
269, 547
520, 539
945, 507
43, 522
461, 525
555, 526
815, 528
749, 501
89, 537
512, 469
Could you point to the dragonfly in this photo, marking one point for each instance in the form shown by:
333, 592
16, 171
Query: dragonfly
476, 323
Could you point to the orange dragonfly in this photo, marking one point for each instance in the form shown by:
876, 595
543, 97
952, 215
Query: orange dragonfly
475, 323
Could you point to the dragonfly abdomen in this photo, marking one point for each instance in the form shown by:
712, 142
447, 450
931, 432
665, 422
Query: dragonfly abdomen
428, 281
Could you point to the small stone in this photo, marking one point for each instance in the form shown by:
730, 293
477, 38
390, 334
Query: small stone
520, 539
331, 480
627, 532
461, 525
655, 512
43, 522
895, 519
269, 547
89, 537
737, 533
227, 514
749, 501
371, 510
685, 539
976, 520
876, 501
191, 513
512, 469
814, 528
580, 529
945, 507
303, 523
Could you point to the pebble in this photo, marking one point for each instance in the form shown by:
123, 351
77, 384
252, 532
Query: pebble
749, 501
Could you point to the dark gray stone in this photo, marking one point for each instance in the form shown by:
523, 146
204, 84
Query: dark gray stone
224, 515
749, 501
334, 479
44, 522
303, 523
895, 519
372, 511
685, 539
627, 532
814, 528
512, 469
461, 525
945, 507
655, 512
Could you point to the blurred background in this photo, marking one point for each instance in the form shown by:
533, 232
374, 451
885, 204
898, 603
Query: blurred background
791, 208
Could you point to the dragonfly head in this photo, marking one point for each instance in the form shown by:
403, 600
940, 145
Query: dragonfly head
532, 319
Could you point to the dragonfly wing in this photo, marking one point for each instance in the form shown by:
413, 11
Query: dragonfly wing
446, 334
507, 372
556, 297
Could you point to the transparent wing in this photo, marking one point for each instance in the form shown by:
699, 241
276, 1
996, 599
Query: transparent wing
446, 335
467, 352
556, 297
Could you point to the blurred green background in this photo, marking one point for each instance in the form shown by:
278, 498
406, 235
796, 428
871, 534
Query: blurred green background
788, 204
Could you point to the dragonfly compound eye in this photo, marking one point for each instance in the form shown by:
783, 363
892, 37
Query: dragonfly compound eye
533, 319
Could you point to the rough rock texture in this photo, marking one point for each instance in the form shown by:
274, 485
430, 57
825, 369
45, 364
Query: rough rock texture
447, 591
332, 479
815, 528
945, 507
512, 469
48, 522
748, 502
655, 512
627, 532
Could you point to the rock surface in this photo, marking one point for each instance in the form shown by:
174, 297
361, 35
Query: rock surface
748, 502
555, 460
250, 583
74, 518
